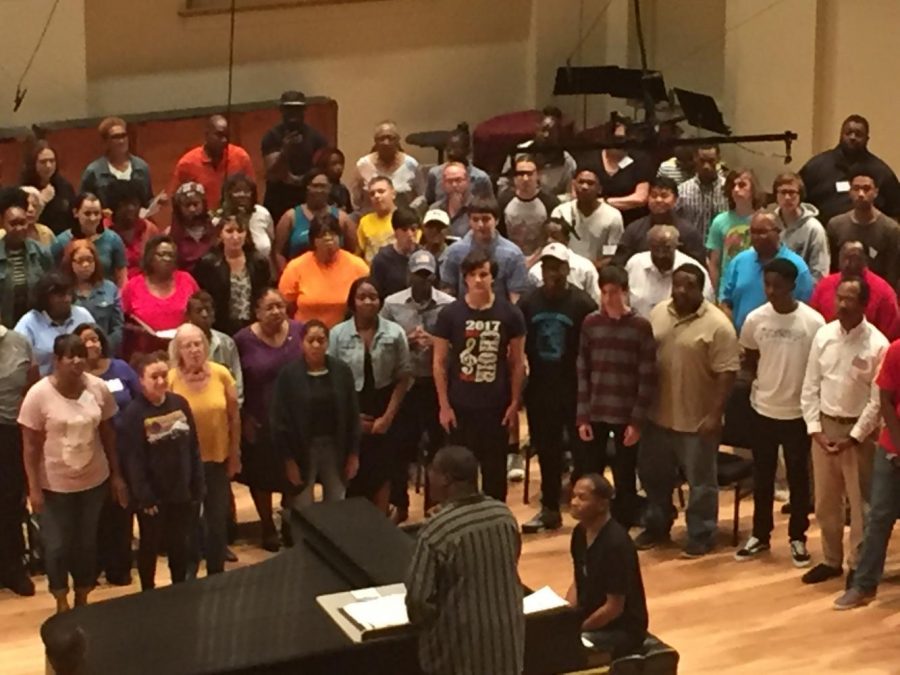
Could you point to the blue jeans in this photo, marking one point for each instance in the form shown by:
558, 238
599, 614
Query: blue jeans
324, 467
210, 533
69, 534
884, 509
663, 452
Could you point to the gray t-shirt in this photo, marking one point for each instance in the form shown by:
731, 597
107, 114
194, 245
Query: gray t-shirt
15, 360
522, 220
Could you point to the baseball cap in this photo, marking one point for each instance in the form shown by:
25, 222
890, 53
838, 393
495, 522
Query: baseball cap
293, 98
422, 260
437, 216
556, 250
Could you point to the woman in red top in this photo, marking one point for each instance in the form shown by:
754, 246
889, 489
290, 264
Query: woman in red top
154, 301
125, 220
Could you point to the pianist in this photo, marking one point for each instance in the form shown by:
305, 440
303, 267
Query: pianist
608, 588
462, 589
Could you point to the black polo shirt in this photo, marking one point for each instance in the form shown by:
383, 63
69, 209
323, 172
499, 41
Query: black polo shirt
610, 567
827, 180
280, 196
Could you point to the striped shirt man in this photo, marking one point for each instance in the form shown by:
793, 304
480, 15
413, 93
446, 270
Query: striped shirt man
463, 590
616, 369
700, 203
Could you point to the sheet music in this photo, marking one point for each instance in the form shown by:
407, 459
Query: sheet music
383, 612
542, 600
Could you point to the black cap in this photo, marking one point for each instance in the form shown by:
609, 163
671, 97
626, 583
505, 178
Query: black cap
293, 98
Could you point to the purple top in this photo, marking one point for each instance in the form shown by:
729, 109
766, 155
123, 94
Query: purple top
261, 363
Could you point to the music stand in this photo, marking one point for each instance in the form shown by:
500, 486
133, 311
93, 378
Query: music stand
627, 83
701, 111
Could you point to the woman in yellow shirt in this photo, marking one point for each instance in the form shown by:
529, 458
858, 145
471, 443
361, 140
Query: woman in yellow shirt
211, 393
316, 284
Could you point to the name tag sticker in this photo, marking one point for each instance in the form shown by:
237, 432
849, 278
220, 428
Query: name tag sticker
627, 161
609, 249
873, 253
842, 186
115, 385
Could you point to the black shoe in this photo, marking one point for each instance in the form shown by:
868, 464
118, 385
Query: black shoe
271, 542
850, 575
19, 583
786, 509
820, 573
230, 556
696, 549
647, 540
123, 579
543, 521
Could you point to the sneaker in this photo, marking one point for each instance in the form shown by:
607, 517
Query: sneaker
695, 549
853, 598
782, 495
543, 521
751, 549
820, 573
799, 554
515, 468
647, 540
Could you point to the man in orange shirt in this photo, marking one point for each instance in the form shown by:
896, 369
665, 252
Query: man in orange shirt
209, 164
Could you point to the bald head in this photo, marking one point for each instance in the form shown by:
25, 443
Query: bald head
765, 233
662, 240
216, 136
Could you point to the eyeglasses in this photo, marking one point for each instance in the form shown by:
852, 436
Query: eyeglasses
525, 173
787, 192
118, 137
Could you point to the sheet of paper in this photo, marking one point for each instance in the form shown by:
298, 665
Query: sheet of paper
383, 612
166, 334
542, 600
365, 594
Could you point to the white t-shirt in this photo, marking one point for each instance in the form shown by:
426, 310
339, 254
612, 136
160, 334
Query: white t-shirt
783, 342
582, 274
595, 236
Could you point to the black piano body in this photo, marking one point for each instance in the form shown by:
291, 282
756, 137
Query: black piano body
265, 618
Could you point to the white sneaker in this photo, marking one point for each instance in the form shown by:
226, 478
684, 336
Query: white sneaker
751, 549
515, 468
799, 554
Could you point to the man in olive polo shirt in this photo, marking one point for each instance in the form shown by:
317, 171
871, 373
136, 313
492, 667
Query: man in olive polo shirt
697, 358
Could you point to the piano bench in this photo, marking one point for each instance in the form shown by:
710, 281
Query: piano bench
655, 658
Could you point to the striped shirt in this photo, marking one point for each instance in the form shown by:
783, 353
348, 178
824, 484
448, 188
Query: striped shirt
699, 203
463, 591
616, 369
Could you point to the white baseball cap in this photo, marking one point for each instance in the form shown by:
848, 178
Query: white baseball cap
437, 216
555, 250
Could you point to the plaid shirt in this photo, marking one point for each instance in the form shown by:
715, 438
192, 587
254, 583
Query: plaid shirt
699, 204
616, 369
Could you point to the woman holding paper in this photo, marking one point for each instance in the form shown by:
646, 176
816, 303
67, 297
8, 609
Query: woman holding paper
211, 394
114, 540
155, 301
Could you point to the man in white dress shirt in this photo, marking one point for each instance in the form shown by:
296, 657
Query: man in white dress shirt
582, 272
650, 272
841, 409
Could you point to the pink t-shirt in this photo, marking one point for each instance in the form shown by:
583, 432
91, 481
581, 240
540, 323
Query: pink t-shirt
158, 313
73, 459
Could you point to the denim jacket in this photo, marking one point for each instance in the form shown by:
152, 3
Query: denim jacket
37, 263
97, 178
390, 352
105, 305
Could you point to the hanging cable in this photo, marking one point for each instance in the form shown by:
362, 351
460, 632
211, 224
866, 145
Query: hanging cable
20, 92
588, 32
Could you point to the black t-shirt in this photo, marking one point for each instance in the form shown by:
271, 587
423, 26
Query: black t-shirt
623, 182
610, 567
478, 371
390, 270
322, 406
551, 343
280, 196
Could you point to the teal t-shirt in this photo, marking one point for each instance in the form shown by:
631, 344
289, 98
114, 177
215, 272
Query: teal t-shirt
110, 249
729, 234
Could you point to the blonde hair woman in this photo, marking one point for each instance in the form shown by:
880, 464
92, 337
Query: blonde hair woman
211, 394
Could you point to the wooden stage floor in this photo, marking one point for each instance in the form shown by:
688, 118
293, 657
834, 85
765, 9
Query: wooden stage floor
722, 616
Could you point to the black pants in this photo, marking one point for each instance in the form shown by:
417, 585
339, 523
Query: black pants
615, 642
593, 457
482, 432
166, 531
792, 436
12, 502
114, 540
418, 415
549, 425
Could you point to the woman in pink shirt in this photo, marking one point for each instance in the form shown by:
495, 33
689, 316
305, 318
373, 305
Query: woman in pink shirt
71, 462
154, 301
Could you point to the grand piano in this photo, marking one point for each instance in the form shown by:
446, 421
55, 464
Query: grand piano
265, 618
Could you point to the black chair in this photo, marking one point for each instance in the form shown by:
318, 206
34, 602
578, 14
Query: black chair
735, 471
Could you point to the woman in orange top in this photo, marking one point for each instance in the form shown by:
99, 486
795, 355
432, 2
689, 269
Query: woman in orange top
316, 284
